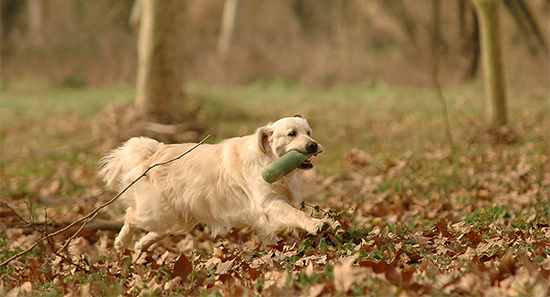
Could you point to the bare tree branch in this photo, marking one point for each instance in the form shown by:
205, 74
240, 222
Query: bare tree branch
443, 101
13, 210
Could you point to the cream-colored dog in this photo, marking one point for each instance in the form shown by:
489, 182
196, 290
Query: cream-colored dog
219, 185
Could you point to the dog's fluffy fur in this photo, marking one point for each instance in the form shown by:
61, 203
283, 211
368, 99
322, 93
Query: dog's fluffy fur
219, 185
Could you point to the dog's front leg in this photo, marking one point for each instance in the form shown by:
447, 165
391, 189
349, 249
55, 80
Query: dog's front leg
279, 216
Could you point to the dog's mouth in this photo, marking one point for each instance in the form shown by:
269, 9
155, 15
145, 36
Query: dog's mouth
306, 165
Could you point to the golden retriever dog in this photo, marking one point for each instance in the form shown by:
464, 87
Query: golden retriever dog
219, 185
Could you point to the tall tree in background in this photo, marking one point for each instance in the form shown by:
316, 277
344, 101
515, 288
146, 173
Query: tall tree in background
229, 18
437, 49
493, 72
35, 8
437, 41
160, 57
469, 36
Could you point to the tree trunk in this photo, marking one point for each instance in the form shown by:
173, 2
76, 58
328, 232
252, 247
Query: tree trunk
462, 13
437, 43
160, 60
35, 21
469, 39
493, 72
437, 49
229, 18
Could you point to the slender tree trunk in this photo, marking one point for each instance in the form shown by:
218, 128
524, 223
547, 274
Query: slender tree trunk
437, 50
9, 9
473, 49
436, 28
135, 15
160, 58
469, 38
462, 13
229, 18
493, 72
35, 8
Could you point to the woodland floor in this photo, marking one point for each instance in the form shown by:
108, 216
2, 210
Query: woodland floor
415, 216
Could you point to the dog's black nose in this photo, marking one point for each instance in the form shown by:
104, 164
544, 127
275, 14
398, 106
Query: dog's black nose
311, 147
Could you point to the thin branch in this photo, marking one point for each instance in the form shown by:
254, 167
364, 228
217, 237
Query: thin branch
18, 216
95, 212
21, 253
50, 243
442, 100
28, 203
315, 207
78, 231
52, 247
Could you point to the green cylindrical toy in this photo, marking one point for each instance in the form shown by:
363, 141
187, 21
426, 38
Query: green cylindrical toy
283, 166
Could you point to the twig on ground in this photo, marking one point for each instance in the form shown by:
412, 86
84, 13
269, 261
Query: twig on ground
317, 208
86, 219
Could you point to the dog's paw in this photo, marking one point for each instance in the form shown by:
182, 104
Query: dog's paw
141, 245
121, 245
327, 224
317, 225
332, 224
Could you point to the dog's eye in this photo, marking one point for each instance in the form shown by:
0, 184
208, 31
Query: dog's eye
308, 133
293, 133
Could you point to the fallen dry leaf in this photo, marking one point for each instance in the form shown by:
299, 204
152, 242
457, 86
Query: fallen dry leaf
182, 267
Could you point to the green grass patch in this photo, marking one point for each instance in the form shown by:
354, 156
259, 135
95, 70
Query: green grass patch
40, 98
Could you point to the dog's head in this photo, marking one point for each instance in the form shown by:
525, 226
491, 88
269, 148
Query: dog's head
286, 134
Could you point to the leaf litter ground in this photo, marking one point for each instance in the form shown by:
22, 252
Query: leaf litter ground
473, 222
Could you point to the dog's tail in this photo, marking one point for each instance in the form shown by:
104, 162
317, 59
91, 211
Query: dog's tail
126, 163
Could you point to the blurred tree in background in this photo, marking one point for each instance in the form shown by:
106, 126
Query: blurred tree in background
493, 72
317, 43
229, 18
160, 58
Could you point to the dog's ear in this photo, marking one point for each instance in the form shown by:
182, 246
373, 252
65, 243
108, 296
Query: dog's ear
263, 134
298, 115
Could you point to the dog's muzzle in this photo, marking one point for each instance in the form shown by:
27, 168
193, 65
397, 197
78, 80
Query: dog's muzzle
312, 148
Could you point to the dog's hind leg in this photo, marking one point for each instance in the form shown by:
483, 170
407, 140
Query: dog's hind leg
122, 241
146, 241
124, 237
